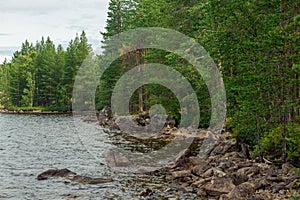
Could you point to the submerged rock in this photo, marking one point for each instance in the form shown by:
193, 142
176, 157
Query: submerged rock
72, 176
116, 159
55, 173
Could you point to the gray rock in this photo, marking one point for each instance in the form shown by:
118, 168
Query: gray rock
286, 168
180, 159
218, 172
181, 174
208, 173
200, 168
224, 147
276, 179
55, 173
116, 159
238, 178
72, 176
249, 171
200, 182
219, 186
240, 192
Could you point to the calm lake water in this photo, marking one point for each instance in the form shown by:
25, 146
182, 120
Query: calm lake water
31, 144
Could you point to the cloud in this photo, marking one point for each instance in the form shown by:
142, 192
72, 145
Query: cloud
8, 50
61, 20
3, 57
4, 34
48, 6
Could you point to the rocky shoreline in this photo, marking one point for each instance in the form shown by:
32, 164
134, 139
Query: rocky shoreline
226, 173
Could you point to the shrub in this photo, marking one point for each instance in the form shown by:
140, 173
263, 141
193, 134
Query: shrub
271, 143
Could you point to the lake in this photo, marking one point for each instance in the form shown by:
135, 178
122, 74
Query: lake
31, 144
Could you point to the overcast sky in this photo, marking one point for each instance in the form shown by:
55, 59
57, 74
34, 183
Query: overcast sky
59, 19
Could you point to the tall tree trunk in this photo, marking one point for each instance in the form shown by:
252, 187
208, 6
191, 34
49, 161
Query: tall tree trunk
283, 118
284, 137
19, 93
283, 85
138, 62
50, 99
258, 136
6, 88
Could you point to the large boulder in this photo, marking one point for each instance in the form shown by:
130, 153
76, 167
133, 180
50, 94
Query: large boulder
181, 160
241, 192
218, 186
170, 121
224, 147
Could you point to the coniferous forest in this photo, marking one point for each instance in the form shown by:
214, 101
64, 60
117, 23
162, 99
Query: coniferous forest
42, 75
255, 44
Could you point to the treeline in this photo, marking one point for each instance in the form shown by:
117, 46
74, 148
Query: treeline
255, 44
42, 75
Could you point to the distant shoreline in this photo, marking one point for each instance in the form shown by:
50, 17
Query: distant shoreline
3, 111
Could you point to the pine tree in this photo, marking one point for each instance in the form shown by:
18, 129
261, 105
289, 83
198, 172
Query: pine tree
21, 72
46, 68
77, 51
4, 83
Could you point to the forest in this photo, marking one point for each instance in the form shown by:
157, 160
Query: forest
255, 45
41, 76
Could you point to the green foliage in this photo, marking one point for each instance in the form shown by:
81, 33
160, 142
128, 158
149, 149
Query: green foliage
24, 108
157, 94
255, 45
271, 143
295, 196
42, 75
